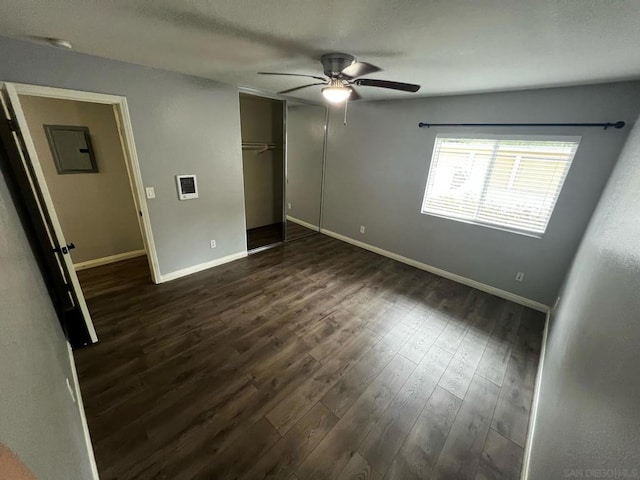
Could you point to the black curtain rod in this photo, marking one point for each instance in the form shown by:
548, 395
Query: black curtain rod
606, 125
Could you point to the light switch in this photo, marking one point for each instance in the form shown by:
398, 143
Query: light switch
151, 192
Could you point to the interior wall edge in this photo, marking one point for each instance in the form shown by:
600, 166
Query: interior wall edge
587, 419
442, 273
83, 416
526, 460
38, 383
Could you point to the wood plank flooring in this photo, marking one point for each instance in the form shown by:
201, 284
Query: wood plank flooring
314, 360
115, 277
295, 230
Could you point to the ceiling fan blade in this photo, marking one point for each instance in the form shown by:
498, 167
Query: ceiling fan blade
298, 88
293, 75
358, 69
354, 95
372, 82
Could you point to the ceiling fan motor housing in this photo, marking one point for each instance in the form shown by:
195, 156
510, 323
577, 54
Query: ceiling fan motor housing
343, 72
334, 63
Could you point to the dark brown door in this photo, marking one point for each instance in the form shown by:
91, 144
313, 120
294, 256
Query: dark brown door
36, 221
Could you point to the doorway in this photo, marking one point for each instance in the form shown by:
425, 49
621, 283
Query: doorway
262, 125
81, 168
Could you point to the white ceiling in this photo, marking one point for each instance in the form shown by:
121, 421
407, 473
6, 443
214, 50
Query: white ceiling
447, 46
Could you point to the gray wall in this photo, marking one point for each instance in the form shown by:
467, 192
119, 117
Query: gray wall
96, 210
305, 155
181, 124
377, 168
590, 389
38, 419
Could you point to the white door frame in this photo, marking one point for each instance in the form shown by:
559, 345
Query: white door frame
125, 129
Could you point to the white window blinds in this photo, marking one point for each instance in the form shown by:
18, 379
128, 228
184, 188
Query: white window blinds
506, 182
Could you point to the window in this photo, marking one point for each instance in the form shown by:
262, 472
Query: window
506, 182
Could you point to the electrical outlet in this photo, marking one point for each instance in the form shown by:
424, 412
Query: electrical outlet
289, 205
362, 228
519, 276
151, 192
213, 244
71, 392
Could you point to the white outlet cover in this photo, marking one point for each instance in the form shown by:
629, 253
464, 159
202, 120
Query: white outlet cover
362, 229
213, 244
151, 192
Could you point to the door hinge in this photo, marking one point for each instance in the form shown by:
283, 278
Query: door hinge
13, 125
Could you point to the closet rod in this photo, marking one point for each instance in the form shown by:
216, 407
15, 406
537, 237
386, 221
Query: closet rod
263, 147
605, 125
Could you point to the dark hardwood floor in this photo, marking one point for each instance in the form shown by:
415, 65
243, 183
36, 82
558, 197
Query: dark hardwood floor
314, 360
112, 278
295, 230
263, 236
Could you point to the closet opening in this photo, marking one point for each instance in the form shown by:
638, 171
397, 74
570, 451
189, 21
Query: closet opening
263, 161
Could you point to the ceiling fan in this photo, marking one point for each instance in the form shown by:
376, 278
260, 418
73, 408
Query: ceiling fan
342, 72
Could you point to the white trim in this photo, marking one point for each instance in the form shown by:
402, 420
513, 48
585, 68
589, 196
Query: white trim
310, 226
443, 273
110, 259
83, 417
65, 94
137, 187
535, 401
202, 266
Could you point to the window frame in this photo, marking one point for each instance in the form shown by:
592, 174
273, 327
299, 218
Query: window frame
479, 136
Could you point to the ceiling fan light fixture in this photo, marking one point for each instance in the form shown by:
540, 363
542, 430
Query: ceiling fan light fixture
343, 74
336, 94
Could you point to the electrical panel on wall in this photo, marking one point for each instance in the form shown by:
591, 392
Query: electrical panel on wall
187, 187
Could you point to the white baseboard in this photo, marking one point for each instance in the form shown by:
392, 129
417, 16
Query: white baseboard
536, 399
110, 259
442, 273
201, 266
303, 223
83, 417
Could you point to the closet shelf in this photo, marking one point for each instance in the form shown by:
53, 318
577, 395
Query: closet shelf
261, 147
